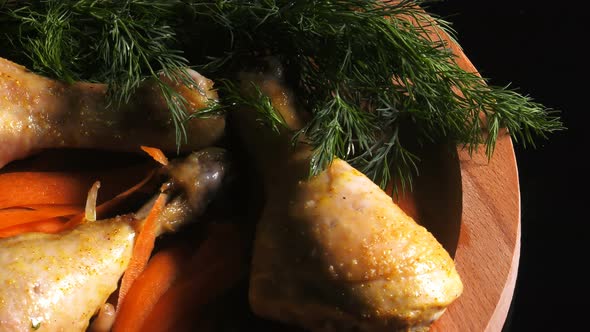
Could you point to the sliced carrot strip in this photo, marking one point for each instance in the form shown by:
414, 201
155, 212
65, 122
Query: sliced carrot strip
51, 225
23, 215
176, 310
45, 217
117, 201
28, 188
216, 266
156, 153
162, 270
33, 188
144, 244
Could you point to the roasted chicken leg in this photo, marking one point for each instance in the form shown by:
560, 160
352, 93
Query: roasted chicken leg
334, 253
57, 282
37, 112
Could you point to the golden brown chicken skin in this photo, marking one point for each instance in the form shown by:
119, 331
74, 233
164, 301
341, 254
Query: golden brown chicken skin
57, 282
334, 253
37, 113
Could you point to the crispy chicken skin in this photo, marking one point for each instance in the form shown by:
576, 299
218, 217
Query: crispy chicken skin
37, 112
334, 253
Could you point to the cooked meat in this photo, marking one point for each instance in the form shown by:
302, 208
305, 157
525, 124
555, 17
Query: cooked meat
37, 113
333, 252
198, 177
57, 282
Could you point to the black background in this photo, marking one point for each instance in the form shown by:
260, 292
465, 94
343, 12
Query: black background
540, 48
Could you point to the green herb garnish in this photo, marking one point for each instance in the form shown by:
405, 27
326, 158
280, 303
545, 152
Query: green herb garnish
120, 43
375, 84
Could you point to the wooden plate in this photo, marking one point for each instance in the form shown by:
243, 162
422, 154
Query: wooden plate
472, 207
485, 240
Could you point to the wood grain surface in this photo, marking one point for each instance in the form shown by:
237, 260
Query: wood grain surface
488, 248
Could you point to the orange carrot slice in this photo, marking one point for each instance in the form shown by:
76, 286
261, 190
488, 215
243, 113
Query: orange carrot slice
116, 202
216, 266
33, 200
51, 218
51, 225
156, 153
162, 270
31, 188
22, 215
144, 244
34, 188
176, 309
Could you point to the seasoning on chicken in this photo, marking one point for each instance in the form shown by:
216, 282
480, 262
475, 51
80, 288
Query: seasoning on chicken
333, 252
37, 113
57, 282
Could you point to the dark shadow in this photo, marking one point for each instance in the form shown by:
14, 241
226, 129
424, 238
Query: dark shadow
438, 194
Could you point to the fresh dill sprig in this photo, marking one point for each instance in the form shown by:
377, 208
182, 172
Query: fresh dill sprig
119, 43
374, 75
340, 129
252, 97
370, 72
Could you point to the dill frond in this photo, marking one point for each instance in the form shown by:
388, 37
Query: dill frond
119, 43
366, 70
